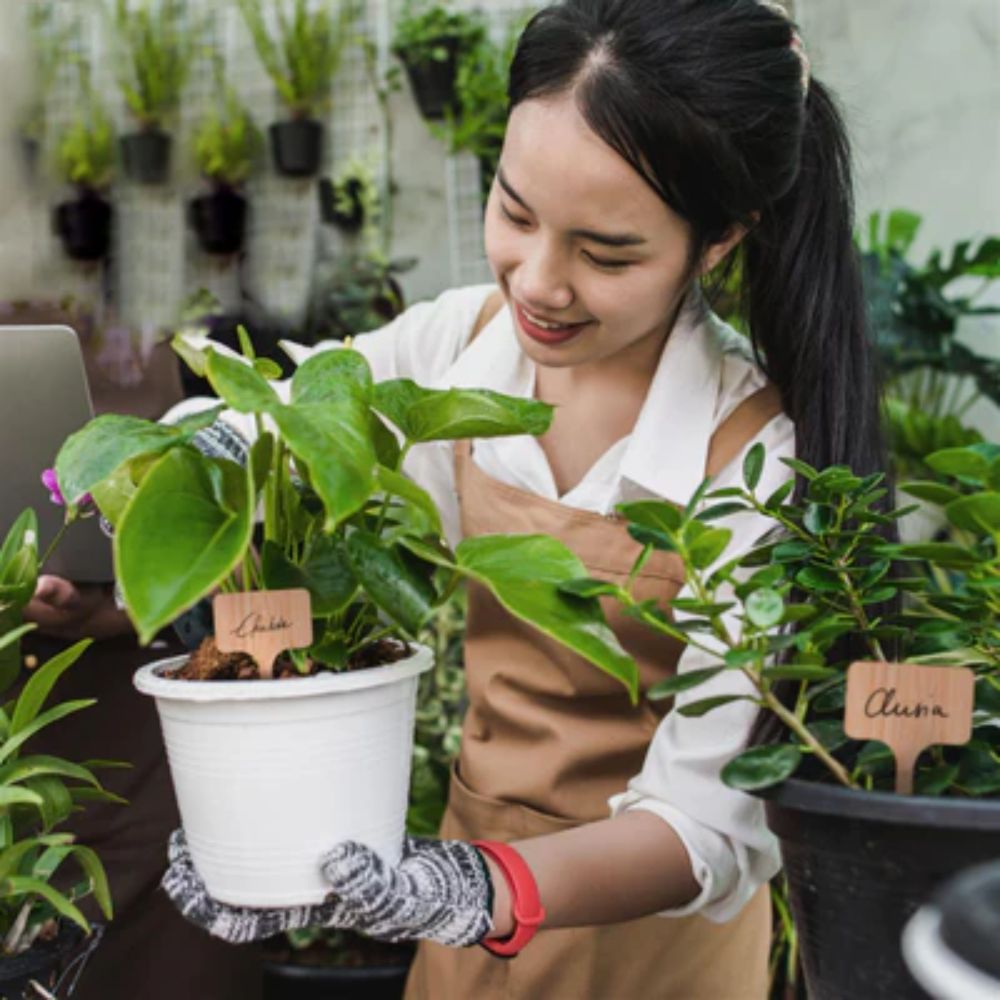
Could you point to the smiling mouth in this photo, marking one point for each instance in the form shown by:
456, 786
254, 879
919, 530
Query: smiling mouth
545, 330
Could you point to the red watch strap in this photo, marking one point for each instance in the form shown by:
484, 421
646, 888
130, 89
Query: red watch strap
525, 901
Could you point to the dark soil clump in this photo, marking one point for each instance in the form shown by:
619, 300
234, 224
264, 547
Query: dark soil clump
207, 663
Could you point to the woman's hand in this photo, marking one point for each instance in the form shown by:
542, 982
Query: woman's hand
70, 610
441, 891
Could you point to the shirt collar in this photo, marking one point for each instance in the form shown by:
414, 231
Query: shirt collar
667, 451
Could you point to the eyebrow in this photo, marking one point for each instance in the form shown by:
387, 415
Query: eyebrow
605, 239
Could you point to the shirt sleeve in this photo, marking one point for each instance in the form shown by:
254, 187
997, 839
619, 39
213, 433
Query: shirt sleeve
732, 852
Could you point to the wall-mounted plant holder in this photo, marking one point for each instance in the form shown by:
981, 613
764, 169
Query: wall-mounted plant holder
146, 156
341, 205
433, 81
218, 218
297, 146
83, 224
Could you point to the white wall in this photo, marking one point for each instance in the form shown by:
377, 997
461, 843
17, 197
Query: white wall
920, 83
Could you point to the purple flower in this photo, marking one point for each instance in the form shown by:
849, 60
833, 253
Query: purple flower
51, 482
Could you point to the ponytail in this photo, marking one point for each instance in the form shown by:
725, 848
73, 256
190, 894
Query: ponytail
804, 301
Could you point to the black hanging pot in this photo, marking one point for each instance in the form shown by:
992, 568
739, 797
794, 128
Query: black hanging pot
41, 964
84, 226
433, 80
297, 146
219, 220
859, 864
146, 156
333, 211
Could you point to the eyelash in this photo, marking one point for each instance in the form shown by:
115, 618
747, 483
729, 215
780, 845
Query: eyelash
604, 265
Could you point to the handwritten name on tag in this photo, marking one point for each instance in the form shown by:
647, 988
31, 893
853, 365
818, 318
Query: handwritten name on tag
263, 623
909, 708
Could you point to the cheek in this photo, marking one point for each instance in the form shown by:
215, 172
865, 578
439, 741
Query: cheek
500, 243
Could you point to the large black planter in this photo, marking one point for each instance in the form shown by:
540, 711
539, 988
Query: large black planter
219, 220
84, 226
381, 979
297, 147
859, 864
41, 964
433, 81
146, 156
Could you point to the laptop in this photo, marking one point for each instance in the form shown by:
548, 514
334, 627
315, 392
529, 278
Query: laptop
44, 398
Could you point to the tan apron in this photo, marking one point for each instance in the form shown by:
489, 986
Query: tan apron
548, 738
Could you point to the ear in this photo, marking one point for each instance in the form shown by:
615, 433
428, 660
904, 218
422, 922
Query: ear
717, 252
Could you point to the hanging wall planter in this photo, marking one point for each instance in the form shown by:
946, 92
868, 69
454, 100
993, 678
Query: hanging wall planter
84, 226
297, 147
859, 865
146, 156
433, 80
219, 220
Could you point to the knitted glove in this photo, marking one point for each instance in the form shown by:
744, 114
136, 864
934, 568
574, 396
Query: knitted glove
237, 924
441, 891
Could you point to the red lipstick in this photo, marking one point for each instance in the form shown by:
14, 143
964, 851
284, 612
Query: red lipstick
545, 334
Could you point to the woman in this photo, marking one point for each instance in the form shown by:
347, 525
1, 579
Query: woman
647, 141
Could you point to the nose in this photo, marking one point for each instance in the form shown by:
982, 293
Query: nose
541, 281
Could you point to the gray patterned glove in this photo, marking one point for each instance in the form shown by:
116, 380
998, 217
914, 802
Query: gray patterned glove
440, 891
237, 924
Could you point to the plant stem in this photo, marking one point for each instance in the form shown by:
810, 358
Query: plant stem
56, 540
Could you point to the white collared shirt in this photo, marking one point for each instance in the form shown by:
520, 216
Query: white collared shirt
704, 372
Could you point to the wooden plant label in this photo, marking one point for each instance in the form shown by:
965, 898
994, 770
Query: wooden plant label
909, 708
263, 623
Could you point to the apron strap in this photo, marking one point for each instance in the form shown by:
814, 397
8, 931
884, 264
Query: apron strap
741, 426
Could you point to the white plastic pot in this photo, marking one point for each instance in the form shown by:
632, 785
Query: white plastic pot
271, 774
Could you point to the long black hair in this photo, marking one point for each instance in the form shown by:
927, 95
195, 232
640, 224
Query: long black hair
706, 100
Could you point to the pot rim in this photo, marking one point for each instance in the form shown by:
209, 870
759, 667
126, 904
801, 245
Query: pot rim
887, 807
149, 681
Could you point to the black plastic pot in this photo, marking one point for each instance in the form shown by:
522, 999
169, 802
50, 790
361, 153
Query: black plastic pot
349, 221
146, 156
84, 226
219, 220
42, 964
286, 981
433, 81
297, 146
859, 864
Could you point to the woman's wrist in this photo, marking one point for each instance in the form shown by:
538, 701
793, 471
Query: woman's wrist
502, 915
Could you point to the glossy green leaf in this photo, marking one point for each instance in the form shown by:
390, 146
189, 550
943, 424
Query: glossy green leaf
331, 375
451, 414
799, 672
721, 510
708, 547
936, 493
22, 885
940, 553
753, 466
325, 572
959, 462
979, 513
239, 385
333, 440
589, 587
696, 709
184, 531
762, 767
815, 578
11, 745
765, 608
56, 802
420, 512
403, 593
682, 682
525, 572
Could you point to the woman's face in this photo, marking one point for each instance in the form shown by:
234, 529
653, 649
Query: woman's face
591, 261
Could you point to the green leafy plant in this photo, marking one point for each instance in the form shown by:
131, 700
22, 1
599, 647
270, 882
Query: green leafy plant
156, 48
339, 518
776, 615
85, 152
226, 140
478, 123
37, 793
19, 564
428, 32
916, 310
48, 43
305, 56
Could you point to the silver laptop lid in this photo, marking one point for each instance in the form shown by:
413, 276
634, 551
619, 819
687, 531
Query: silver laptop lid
43, 399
